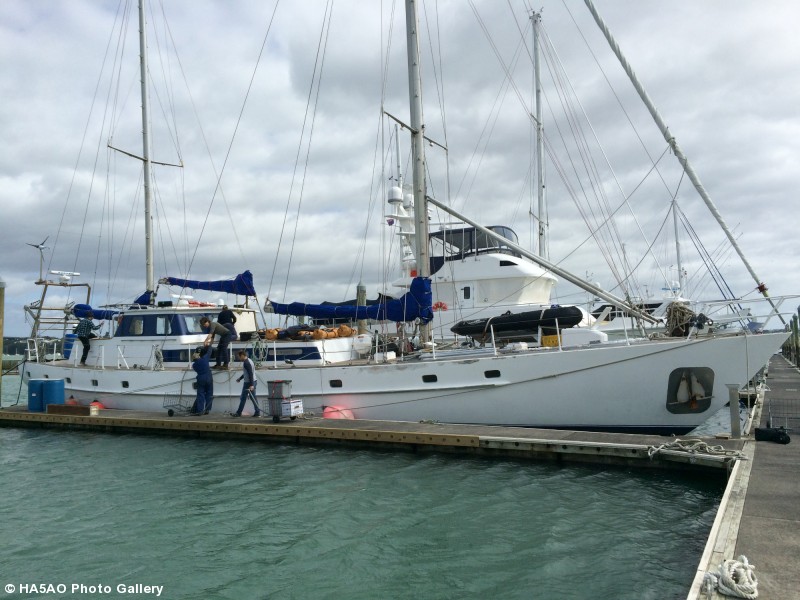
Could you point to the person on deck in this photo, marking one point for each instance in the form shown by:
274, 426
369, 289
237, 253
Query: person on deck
84, 330
227, 317
214, 328
205, 382
249, 385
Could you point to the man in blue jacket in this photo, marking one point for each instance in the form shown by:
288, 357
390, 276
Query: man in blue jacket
205, 382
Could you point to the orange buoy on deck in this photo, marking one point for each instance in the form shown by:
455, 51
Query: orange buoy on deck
336, 412
98, 404
71, 401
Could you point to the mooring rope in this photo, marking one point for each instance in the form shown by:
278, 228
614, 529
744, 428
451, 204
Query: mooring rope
735, 578
694, 447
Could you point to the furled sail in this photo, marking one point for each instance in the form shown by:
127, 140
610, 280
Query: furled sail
241, 285
414, 304
85, 311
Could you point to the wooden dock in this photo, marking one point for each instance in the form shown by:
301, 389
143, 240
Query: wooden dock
618, 449
759, 516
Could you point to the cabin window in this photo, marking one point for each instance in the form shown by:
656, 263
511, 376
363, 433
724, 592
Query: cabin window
136, 326
125, 384
466, 293
285, 352
68, 379
163, 325
430, 378
94, 382
507, 263
193, 323
335, 383
491, 374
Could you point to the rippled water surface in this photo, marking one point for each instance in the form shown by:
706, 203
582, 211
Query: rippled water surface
227, 519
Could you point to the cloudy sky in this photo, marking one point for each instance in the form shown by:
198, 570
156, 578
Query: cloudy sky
307, 219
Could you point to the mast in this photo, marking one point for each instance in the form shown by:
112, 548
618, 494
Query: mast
417, 151
148, 219
673, 143
537, 20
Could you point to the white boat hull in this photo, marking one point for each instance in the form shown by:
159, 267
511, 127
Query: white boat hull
610, 387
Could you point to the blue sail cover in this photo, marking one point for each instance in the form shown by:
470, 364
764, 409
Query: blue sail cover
84, 311
415, 304
242, 284
145, 299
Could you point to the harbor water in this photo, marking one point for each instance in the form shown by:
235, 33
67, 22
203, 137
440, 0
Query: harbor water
209, 519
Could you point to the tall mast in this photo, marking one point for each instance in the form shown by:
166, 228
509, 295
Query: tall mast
673, 143
536, 18
148, 219
417, 150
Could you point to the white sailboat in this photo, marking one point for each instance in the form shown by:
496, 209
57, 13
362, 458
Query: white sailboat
573, 383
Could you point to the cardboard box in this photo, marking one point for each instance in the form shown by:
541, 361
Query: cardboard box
291, 408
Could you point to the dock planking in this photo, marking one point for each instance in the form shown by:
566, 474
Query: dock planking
759, 515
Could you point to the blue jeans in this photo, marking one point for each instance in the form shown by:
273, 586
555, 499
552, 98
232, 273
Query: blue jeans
243, 398
223, 358
205, 393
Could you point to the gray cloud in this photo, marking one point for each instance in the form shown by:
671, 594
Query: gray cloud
725, 79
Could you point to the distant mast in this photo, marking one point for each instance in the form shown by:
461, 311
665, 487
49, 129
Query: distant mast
417, 151
536, 18
148, 219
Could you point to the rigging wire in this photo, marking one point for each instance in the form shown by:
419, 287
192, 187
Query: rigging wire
218, 185
316, 79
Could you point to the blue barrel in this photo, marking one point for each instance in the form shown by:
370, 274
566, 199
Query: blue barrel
69, 342
52, 392
35, 396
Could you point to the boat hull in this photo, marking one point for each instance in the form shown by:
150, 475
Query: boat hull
620, 387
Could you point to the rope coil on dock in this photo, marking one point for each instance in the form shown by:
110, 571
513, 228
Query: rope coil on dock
695, 447
735, 578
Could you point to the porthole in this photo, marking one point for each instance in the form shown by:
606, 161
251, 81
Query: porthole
430, 378
491, 374
335, 383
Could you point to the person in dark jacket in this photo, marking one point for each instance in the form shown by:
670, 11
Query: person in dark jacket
85, 331
214, 328
205, 382
249, 385
227, 317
